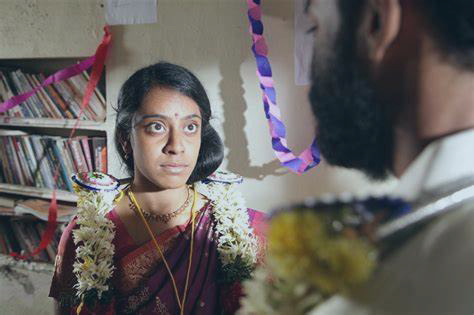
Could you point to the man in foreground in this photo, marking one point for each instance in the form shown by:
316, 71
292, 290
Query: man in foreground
393, 93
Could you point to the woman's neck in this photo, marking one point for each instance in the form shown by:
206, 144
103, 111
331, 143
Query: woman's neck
156, 200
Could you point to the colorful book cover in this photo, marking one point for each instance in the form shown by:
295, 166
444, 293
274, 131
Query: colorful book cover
14, 163
28, 176
53, 162
42, 161
59, 102
47, 99
87, 152
79, 159
100, 154
41, 98
31, 159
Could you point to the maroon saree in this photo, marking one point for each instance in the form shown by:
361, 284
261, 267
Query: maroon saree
141, 283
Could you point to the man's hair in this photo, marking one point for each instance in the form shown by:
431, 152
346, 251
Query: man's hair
177, 78
452, 24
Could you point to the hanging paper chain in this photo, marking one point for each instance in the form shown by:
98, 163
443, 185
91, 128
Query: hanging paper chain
310, 157
97, 63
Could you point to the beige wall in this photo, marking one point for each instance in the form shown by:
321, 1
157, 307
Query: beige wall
211, 38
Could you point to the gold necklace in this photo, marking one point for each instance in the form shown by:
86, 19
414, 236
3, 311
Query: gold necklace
163, 218
193, 216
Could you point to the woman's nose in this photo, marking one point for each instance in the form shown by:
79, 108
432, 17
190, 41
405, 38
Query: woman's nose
174, 144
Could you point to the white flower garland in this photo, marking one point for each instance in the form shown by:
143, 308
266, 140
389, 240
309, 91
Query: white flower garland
236, 237
94, 254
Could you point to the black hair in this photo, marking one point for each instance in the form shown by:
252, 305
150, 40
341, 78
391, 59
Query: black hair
452, 24
177, 78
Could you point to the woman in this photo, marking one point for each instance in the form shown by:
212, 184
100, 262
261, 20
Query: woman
175, 250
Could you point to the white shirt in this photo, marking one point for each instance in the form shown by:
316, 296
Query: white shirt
432, 273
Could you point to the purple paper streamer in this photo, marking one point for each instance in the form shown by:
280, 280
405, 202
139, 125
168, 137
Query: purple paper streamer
310, 157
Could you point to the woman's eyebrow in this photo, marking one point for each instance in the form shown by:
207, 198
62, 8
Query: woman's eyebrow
168, 117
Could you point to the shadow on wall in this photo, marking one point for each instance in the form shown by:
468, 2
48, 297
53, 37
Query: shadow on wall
234, 106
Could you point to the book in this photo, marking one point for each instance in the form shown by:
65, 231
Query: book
88, 110
67, 157
27, 174
14, 162
51, 249
19, 235
42, 161
55, 113
24, 109
55, 145
40, 209
7, 202
100, 154
59, 102
87, 153
6, 211
69, 101
78, 156
7, 172
40, 96
31, 158
33, 240
34, 101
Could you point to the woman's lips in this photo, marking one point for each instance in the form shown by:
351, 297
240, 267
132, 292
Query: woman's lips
174, 168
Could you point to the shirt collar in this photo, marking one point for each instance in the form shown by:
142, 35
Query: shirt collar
444, 161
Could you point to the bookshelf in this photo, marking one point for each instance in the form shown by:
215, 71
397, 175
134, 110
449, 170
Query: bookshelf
50, 123
33, 140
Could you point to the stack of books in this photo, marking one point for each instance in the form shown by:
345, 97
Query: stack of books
60, 100
21, 231
20, 235
30, 160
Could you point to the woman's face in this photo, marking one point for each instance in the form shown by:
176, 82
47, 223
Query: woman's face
165, 139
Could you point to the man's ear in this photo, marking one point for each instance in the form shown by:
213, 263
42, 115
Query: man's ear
381, 22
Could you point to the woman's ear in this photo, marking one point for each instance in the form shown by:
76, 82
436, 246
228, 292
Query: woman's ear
381, 23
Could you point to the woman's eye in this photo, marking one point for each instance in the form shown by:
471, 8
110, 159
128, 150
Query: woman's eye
155, 128
191, 128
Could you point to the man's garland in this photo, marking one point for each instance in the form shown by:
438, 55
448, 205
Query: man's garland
237, 246
316, 251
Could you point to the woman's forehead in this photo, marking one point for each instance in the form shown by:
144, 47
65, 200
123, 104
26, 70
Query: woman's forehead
168, 102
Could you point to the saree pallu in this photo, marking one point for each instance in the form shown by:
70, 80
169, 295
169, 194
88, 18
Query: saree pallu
142, 285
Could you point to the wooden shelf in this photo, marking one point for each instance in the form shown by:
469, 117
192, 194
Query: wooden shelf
35, 266
61, 195
52, 123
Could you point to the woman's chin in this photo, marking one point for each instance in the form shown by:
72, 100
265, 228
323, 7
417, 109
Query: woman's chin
171, 181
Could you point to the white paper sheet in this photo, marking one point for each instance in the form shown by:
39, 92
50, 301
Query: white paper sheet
130, 12
303, 45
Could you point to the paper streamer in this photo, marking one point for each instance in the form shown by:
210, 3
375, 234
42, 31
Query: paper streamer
97, 62
310, 157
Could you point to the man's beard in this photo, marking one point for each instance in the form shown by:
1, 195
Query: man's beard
353, 129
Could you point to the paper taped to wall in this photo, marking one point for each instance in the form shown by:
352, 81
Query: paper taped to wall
303, 45
130, 12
